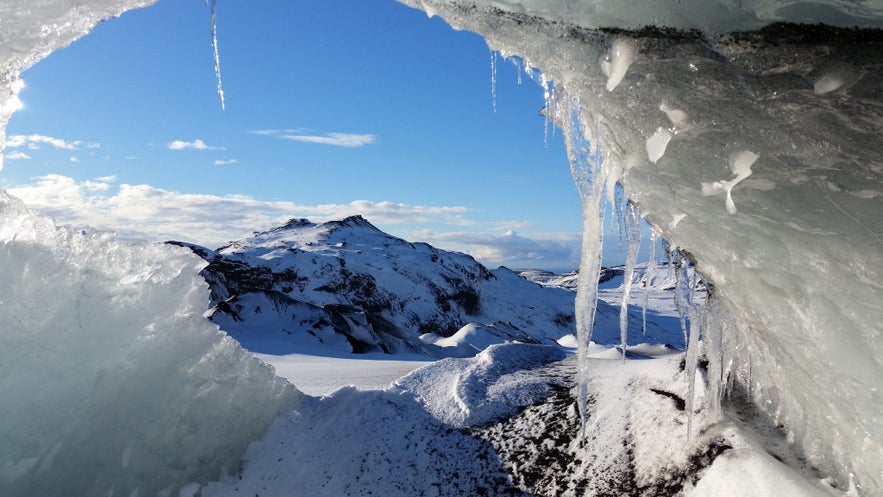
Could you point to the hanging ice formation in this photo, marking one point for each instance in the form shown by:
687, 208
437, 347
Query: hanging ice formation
632, 227
649, 272
216, 55
494, 79
585, 166
683, 291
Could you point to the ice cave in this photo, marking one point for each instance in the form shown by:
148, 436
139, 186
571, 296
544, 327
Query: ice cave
749, 132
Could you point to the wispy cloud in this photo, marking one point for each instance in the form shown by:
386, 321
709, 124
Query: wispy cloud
275, 132
17, 155
196, 144
34, 141
147, 212
226, 162
74, 159
348, 140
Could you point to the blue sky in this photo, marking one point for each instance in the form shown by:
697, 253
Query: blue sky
332, 109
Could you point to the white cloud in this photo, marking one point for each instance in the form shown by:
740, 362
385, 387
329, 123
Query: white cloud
146, 212
34, 141
196, 144
226, 162
74, 159
348, 140
17, 156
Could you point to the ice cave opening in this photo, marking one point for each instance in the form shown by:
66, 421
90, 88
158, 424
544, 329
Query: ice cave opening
750, 134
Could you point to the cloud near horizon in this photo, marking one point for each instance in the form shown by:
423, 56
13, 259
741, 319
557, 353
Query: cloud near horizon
346, 140
149, 213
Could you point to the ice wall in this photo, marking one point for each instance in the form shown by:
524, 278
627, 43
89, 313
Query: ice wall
112, 381
760, 154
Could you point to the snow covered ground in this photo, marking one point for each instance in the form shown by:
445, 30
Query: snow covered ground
321, 375
505, 422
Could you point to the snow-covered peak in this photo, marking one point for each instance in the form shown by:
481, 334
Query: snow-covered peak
337, 236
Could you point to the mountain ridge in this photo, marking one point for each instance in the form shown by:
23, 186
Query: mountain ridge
348, 286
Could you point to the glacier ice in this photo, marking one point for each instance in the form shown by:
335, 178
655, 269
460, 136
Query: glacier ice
797, 269
113, 383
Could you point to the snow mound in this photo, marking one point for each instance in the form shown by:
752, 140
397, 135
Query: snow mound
366, 443
114, 382
478, 390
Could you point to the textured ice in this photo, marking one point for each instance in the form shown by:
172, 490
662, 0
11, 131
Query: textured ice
620, 59
797, 268
113, 383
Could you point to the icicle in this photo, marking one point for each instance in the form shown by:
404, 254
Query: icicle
217, 56
588, 174
648, 277
494, 79
713, 339
547, 98
621, 202
683, 290
632, 227
691, 364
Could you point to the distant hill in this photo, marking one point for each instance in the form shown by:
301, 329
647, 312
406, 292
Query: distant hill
345, 286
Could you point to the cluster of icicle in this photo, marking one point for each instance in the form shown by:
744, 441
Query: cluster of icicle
703, 321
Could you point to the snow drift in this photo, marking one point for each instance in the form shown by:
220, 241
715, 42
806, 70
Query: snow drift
113, 382
783, 121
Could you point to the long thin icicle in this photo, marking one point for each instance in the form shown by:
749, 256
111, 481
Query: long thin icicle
631, 220
712, 336
494, 79
698, 322
588, 174
216, 55
648, 276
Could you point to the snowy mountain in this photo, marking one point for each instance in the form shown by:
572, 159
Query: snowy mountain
662, 277
349, 287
